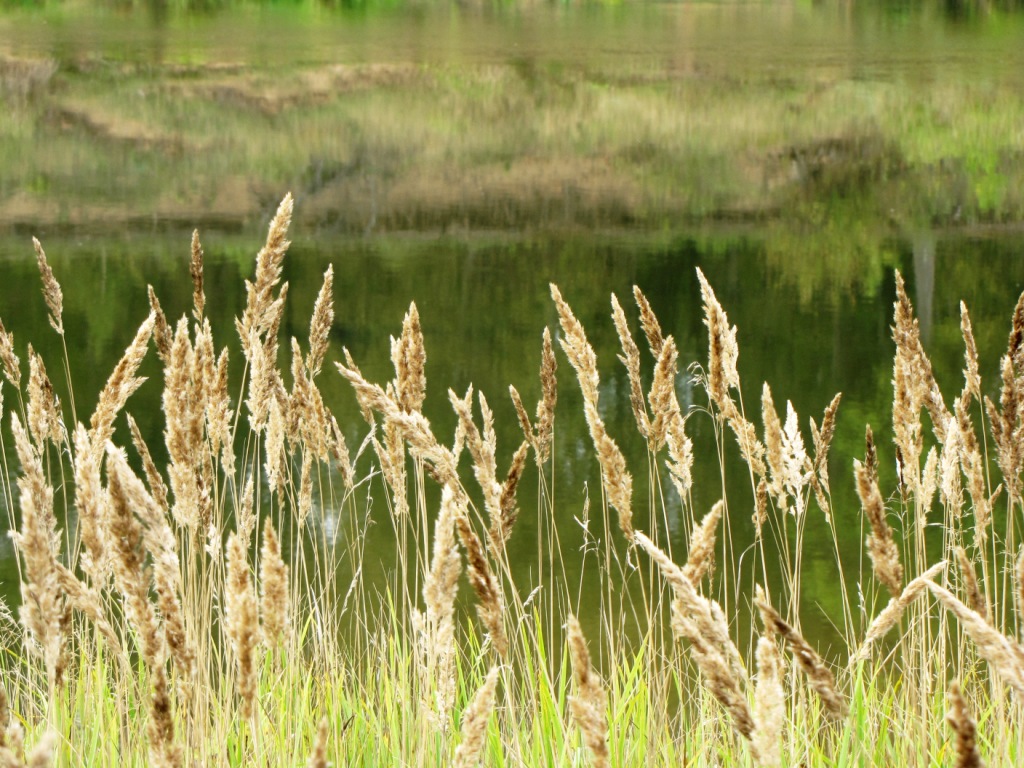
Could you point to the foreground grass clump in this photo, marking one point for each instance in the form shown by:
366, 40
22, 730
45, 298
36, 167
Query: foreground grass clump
199, 612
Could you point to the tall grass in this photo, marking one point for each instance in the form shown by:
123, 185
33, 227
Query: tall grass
199, 613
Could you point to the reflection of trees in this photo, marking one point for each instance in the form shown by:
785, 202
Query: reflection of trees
924, 279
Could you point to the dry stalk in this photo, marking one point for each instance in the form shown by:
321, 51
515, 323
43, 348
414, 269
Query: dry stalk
590, 704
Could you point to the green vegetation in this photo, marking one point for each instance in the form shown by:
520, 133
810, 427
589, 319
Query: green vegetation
223, 606
209, 117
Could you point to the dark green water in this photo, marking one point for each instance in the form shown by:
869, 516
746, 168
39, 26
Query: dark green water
484, 303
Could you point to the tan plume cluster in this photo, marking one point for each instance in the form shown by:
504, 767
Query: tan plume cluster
540, 434
723, 376
618, 482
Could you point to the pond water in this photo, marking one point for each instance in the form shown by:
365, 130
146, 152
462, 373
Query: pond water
813, 311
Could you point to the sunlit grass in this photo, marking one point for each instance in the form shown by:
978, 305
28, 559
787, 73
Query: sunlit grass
382, 670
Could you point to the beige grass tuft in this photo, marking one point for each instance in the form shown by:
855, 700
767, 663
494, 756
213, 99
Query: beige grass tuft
965, 730
51, 289
618, 482
195, 269
769, 704
589, 705
318, 757
474, 723
885, 555
240, 623
275, 610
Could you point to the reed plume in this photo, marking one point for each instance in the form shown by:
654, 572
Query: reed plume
258, 316
44, 611
893, 611
501, 527
1002, 653
318, 757
769, 703
540, 434
649, 322
274, 602
969, 578
702, 623
590, 703
818, 674
121, 385
885, 555
44, 415
321, 323
972, 378
701, 558
965, 730
8, 359
723, 375
195, 269
435, 631
409, 357
662, 397
490, 606
482, 447
52, 294
474, 723
630, 358
618, 482
163, 336
240, 623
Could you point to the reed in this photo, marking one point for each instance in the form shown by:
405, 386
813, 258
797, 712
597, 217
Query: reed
194, 615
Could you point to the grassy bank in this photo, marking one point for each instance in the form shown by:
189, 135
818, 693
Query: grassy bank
219, 609
508, 122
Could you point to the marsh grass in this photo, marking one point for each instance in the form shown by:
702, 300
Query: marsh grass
197, 613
